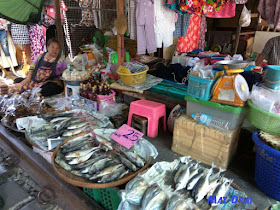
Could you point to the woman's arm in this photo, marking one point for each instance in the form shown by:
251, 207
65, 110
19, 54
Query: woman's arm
18, 86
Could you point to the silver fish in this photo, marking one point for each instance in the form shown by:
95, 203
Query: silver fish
222, 190
63, 164
114, 175
134, 158
81, 159
136, 189
97, 166
76, 140
183, 178
127, 163
81, 145
78, 125
80, 153
58, 119
150, 193
178, 172
73, 132
62, 125
87, 163
157, 202
200, 189
104, 142
217, 175
213, 185
105, 171
123, 174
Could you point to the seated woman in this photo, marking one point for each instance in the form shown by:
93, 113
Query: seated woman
45, 72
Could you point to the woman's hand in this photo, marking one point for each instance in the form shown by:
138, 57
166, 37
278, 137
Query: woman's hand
18, 86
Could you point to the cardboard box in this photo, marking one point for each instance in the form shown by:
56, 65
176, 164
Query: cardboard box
204, 143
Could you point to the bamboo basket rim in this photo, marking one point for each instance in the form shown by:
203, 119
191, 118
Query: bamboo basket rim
12, 128
83, 182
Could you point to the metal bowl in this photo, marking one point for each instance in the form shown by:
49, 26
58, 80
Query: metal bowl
233, 64
85, 47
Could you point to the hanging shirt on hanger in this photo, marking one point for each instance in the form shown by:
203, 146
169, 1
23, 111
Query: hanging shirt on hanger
145, 19
164, 24
37, 41
182, 25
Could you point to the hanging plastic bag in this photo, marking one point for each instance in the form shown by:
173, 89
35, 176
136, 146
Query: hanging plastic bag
245, 18
174, 114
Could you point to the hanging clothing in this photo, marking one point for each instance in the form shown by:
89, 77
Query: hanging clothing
182, 25
190, 41
4, 61
4, 24
132, 19
164, 24
201, 6
174, 5
44, 72
145, 19
37, 40
20, 34
4, 42
241, 1
203, 30
228, 11
270, 12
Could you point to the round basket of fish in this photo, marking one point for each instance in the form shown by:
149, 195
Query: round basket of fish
94, 160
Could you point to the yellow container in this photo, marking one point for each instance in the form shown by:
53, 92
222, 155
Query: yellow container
132, 79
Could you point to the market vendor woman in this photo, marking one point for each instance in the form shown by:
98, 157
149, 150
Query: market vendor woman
45, 72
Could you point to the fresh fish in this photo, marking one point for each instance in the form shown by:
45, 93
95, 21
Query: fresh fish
76, 140
75, 121
177, 174
87, 163
97, 166
134, 158
200, 189
104, 142
217, 175
173, 202
80, 153
78, 125
183, 178
105, 171
59, 119
56, 134
156, 202
78, 173
151, 192
213, 185
62, 125
136, 189
40, 130
113, 176
222, 190
63, 164
194, 170
73, 132
127, 163
81, 145
123, 174
81, 159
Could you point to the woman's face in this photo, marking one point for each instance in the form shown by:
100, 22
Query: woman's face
53, 49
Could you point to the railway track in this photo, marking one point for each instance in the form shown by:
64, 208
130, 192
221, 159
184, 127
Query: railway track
28, 181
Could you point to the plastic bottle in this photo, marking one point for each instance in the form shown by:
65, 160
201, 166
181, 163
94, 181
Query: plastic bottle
211, 121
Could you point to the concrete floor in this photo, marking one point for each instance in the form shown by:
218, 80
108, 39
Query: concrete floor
241, 168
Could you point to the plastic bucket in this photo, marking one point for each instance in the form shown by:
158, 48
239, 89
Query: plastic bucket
272, 78
110, 99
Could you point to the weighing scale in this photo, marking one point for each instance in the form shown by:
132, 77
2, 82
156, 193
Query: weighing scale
231, 88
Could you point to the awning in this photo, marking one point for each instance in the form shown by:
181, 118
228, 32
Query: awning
21, 11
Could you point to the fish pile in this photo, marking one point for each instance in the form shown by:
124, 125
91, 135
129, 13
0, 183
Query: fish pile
97, 158
60, 126
188, 185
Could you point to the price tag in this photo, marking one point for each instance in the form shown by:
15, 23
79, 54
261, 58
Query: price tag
126, 136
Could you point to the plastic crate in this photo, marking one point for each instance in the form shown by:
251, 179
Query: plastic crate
200, 88
267, 168
107, 197
234, 115
263, 120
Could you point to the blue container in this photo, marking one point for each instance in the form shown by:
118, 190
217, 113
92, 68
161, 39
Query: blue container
272, 79
200, 88
267, 168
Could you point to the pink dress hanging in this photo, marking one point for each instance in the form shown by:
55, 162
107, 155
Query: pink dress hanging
227, 11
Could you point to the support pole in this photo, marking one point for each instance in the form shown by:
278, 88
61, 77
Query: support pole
58, 24
120, 38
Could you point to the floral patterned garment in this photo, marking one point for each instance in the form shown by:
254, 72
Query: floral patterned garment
37, 40
4, 24
202, 6
190, 42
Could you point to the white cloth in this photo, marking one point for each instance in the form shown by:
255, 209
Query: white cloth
132, 19
164, 24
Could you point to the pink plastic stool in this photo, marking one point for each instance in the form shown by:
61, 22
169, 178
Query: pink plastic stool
152, 111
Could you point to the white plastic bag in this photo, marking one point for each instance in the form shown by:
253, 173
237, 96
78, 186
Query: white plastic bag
245, 18
174, 114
